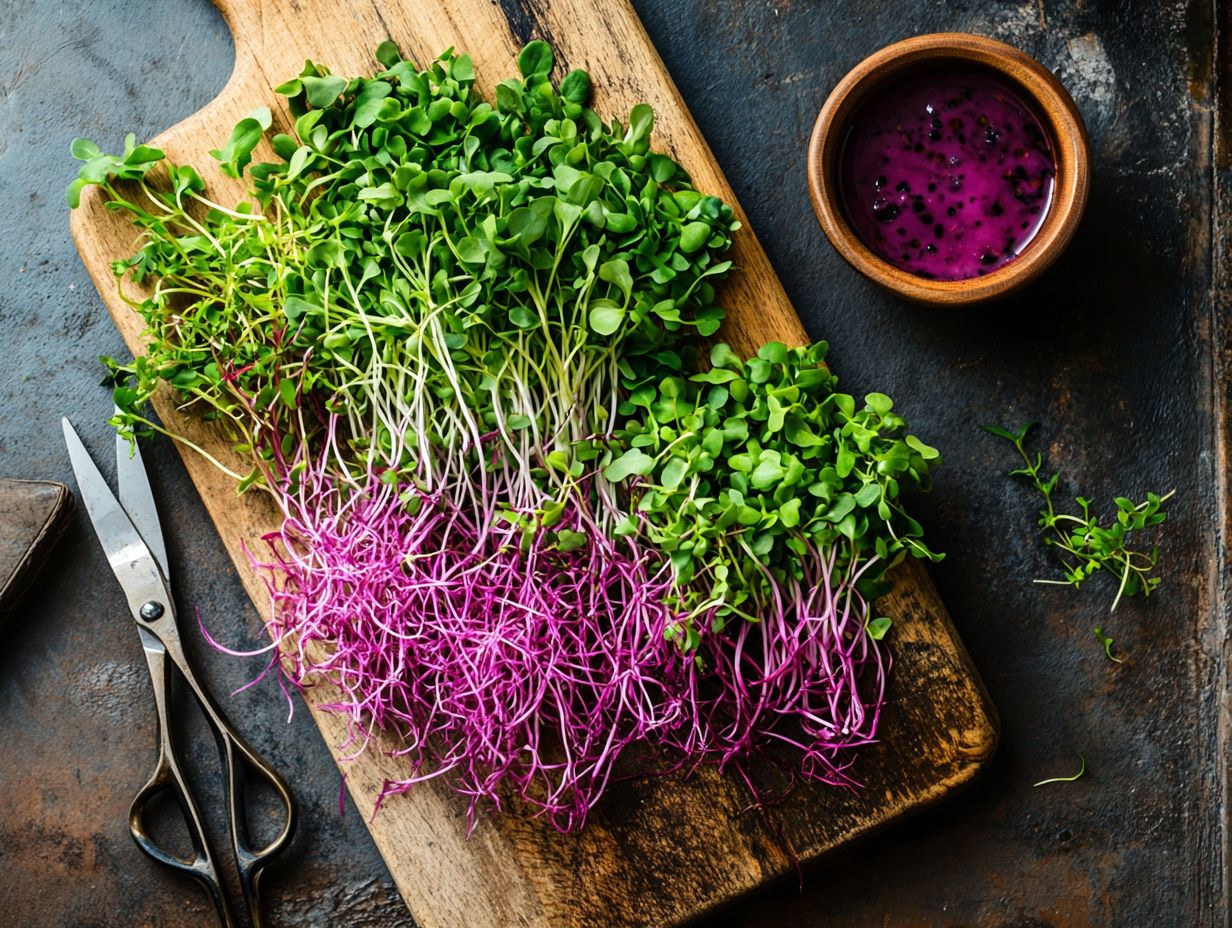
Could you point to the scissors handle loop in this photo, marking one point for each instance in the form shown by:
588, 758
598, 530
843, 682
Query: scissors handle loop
168, 780
129, 532
242, 767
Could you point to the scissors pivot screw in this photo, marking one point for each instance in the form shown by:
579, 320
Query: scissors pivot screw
151, 611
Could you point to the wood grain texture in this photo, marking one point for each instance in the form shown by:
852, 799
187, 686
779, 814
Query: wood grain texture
655, 853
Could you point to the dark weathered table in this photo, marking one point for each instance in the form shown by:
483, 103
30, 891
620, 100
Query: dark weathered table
1121, 352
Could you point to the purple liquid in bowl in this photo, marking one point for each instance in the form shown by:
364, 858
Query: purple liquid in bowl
946, 174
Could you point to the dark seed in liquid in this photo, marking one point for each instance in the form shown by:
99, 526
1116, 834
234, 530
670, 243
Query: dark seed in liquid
914, 131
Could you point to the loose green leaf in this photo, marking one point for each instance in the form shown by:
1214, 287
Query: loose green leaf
878, 627
641, 122
1106, 641
85, 150
633, 462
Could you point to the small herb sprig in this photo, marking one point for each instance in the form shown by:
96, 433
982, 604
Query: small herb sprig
1086, 546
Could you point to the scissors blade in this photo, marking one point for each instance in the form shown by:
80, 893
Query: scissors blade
138, 499
131, 560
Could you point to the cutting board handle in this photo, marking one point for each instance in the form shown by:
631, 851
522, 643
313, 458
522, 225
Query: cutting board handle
257, 25
243, 19
274, 37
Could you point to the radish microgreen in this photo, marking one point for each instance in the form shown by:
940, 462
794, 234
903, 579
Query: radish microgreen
458, 341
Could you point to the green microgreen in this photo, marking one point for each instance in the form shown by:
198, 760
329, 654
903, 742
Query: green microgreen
1087, 545
1082, 768
497, 263
878, 627
742, 472
1106, 641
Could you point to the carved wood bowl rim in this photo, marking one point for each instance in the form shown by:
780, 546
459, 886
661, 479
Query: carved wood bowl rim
1068, 137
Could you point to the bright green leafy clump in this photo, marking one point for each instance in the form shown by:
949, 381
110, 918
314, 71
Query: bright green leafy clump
750, 468
507, 257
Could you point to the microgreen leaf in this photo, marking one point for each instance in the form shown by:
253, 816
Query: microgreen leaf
237, 153
641, 121
878, 627
879, 403
632, 462
616, 272
774, 352
535, 60
1106, 641
693, 236
322, 91
576, 87
605, 317
927, 452
388, 53
721, 355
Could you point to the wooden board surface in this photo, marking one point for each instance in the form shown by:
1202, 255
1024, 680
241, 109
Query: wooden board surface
655, 853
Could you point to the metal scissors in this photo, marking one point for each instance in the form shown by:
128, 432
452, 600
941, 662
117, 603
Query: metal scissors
129, 532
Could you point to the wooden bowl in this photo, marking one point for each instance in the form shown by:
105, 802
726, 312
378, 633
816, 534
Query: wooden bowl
1057, 113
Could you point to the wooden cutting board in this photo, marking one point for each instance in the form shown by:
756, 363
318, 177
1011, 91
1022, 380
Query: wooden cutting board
663, 852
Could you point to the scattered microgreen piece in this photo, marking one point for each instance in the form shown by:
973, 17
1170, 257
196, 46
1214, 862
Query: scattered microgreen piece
1106, 641
1082, 768
1086, 546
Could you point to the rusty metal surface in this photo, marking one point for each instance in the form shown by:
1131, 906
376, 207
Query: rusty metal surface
1121, 352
